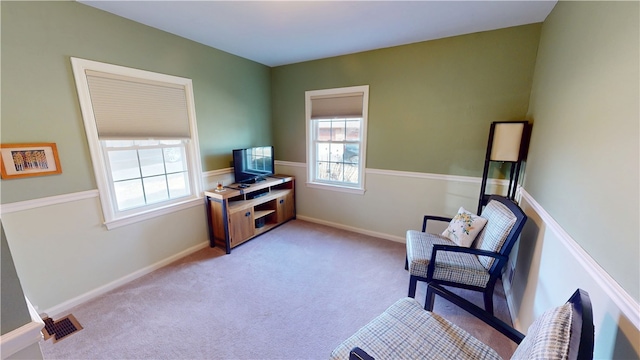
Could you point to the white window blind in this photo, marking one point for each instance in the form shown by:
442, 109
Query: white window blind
342, 106
134, 108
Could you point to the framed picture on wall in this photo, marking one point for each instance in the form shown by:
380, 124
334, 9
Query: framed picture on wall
25, 160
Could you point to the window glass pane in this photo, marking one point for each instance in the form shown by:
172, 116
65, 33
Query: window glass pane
174, 159
155, 189
351, 173
323, 132
129, 194
351, 153
353, 130
322, 170
322, 152
336, 151
178, 185
151, 162
337, 130
124, 164
337, 171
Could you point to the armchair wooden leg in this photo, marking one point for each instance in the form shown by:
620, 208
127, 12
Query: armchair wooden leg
488, 301
413, 281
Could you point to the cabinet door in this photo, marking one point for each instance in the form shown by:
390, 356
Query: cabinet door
241, 226
286, 207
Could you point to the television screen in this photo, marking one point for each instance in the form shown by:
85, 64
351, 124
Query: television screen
253, 164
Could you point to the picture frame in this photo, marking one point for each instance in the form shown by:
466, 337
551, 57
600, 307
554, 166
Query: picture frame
27, 160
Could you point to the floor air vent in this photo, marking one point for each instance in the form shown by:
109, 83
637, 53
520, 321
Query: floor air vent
61, 328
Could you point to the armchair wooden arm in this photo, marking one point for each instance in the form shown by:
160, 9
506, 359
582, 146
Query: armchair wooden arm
433, 217
359, 354
462, 249
473, 309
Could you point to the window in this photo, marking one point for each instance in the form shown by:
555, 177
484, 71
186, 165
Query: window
143, 140
336, 137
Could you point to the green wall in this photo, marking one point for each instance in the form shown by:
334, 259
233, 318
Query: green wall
40, 103
14, 312
430, 103
584, 154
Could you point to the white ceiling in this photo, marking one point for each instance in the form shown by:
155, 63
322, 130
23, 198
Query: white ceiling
284, 32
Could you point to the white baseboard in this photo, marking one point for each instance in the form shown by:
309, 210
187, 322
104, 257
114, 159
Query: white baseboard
65, 306
353, 229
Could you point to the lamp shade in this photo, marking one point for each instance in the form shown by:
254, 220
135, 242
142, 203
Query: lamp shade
507, 140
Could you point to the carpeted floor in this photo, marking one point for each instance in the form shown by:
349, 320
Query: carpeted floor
293, 293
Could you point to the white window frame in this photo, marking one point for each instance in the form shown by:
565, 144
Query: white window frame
312, 180
112, 217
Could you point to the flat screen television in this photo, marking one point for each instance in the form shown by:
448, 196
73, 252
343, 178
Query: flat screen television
253, 164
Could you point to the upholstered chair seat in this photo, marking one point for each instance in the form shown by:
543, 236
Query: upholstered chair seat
406, 331
452, 266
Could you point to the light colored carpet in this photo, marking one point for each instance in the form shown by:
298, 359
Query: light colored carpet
295, 292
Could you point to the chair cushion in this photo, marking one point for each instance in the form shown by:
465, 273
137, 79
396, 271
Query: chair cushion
464, 227
548, 337
500, 220
406, 331
450, 266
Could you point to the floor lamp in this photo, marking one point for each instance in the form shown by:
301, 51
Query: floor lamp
508, 142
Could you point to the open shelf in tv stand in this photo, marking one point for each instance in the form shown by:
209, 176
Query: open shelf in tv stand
237, 215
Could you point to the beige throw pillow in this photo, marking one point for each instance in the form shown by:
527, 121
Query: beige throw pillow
464, 227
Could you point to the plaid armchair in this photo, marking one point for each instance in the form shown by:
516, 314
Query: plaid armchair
434, 258
406, 331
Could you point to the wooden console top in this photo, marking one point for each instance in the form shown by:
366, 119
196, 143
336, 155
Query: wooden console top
235, 189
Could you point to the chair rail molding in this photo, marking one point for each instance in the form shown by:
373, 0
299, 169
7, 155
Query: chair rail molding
412, 174
218, 172
76, 196
627, 304
47, 201
64, 198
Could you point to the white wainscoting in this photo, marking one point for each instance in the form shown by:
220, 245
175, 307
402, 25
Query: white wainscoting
83, 259
394, 201
61, 308
550, 265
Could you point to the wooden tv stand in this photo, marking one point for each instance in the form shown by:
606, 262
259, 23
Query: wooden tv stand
237, 214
